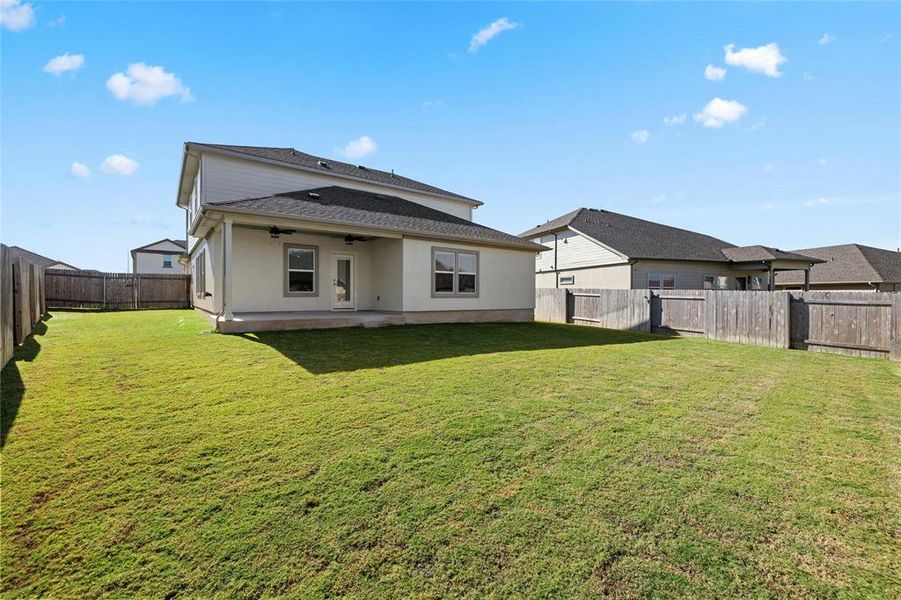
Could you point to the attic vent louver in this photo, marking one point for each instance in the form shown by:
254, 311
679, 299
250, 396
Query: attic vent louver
324, 164
313, 195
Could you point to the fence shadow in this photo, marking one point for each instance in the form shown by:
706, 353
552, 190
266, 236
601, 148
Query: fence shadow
343, 350
12, 387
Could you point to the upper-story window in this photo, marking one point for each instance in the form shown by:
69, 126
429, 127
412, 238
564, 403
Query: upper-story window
167, 261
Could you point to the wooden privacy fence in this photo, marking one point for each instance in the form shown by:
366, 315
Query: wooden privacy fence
854, 323
116, 291
22, 301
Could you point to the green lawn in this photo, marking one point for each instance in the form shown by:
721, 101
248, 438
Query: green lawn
144, 455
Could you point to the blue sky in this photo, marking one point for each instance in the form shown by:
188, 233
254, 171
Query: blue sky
563, 106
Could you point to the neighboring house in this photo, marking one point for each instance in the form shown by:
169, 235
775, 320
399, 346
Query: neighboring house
848, 267
278, 238
38, 259
591, 248
159, 257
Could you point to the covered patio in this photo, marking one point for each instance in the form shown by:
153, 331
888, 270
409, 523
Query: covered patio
763, 259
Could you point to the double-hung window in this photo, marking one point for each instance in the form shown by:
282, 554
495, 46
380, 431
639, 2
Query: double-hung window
167, 261
200, 274
300, 270
455, 272
657, 281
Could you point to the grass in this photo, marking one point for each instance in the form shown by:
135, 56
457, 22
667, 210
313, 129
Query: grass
146, 456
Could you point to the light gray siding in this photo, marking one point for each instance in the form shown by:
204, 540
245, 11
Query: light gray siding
606, 277
574, 250
689, 275
225, 178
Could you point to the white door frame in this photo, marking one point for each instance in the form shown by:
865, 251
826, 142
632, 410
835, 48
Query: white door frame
352, 303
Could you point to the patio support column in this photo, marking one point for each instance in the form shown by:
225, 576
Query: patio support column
771, 278
226, 269
807, 279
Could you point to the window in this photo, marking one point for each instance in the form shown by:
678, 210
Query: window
756, 283
167, 261
301, 264
455, 272
709, 281
199, 272
661, 282
722, 282
567, 279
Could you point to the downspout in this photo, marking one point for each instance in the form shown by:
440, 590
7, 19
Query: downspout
556, 270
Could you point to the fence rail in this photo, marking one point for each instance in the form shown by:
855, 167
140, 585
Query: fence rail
116, 291
853, 323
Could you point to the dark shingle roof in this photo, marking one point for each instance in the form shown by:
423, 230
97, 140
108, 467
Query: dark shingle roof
295, 158
848, 263
637, 238
34, 257
763, 253
368, 209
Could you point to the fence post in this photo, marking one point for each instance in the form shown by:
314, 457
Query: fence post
895, 334
710, 314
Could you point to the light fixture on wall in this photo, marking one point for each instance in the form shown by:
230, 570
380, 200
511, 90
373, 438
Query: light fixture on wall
350, 239
274, 232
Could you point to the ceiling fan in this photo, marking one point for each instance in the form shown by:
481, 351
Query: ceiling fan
350, 239
274, 232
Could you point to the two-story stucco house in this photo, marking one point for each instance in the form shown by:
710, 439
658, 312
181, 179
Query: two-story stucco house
159, 257
280, 239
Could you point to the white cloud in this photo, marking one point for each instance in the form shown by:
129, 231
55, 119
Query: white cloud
760, 123
640, 137
714, 73
118, 164
360, 147
808, 76
486, 34
16, 16
823, 162
718, 112
432, 103
826, 38
64, 62
146, 85
674, 120
79, 170
763, 59
822, 201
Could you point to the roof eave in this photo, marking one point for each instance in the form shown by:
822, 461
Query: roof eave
246, 156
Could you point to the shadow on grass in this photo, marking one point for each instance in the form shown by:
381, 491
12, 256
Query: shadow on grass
337, 350
12, 388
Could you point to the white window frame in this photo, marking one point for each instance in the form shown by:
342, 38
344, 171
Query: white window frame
455, 293
287, 270
165, 257
199, 274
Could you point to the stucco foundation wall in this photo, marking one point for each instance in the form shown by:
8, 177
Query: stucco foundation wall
506, 278
611, 277
258, 271
387, 274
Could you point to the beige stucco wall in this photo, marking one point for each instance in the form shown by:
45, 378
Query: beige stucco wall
212, 258
147, 262
506, 278
258, 271
616, 277
387, 274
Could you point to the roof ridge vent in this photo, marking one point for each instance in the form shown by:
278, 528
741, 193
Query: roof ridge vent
324, 164
313, 195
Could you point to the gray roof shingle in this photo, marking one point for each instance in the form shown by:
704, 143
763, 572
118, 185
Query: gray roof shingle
295, 158
637, 238
848, 263
34, 257
759, 253
368, 209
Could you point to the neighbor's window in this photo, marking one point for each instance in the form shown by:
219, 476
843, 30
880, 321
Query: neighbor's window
709, 281
756, 283
199, 268
567, 280
167, 261
657, 281
455, 272
722, 282
300, 270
